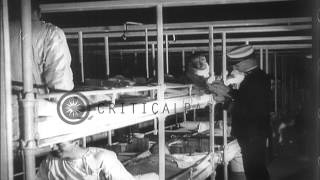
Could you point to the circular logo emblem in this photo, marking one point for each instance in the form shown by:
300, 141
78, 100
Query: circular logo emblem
73, 108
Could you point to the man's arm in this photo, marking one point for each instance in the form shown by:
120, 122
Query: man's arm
112, 167
42, 173
57, 71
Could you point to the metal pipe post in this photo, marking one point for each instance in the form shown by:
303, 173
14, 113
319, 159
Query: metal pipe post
84, 142
121, 60
212, 143
107, 55
146, 53
267, 61
7, 172
135, 60
153, 60
155, 127
315, 105
261, 58
224, 57
160, 94
225, 116
109, 138
167, 54
80, 46
28, 101
275, 84
183, 61
194, 115
211, 51
212, 106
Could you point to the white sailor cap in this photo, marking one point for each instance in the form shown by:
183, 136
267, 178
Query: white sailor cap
240, 52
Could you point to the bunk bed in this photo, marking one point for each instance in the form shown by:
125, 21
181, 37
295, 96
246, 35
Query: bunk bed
98, 122
51, 129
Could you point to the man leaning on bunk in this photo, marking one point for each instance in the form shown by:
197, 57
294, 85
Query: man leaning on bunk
250, 111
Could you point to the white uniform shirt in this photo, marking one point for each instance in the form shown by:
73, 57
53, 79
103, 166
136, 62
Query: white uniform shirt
51, 57
96, 164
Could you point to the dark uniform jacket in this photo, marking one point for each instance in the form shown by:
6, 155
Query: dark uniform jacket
250, 112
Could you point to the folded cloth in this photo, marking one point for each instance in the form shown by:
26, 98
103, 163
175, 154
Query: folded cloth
185, 161
196, 126
147, 176
232, 150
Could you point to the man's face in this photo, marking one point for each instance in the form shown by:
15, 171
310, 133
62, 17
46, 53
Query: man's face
36, 15
241, 66
199, 62
62, 150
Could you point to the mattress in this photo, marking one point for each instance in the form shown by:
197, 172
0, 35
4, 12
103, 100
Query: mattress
177, 166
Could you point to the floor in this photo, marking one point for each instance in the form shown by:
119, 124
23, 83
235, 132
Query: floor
288, 164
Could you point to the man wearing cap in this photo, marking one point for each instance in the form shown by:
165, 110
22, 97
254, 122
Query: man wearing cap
250, 112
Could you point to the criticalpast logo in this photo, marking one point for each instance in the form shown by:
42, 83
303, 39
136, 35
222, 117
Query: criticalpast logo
72, 108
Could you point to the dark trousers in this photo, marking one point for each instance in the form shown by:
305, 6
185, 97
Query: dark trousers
253, 151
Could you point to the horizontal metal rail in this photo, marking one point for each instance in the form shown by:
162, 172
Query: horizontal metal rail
205, 41
133, 4
99, 92
216, 48
216, 24
232, 30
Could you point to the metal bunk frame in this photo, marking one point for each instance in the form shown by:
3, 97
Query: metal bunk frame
220, 27
29, 148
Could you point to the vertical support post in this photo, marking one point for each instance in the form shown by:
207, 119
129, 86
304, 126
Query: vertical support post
167, 55
153, 60
160, 48
224, 75
275, 84
121, 60
155, 127
212, 106
211, 51
6, 117
315, 105
147, 52
110, 138
212, 142
284, 82
267, 61
184, 115
160, 94
107, 55
183, 61
28, 101
224, 56
84, 142
261, 58
80, 46
194, 114
135, 60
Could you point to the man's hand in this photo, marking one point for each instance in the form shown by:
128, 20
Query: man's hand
219, 91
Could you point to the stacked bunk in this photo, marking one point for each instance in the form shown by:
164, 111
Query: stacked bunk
171, 98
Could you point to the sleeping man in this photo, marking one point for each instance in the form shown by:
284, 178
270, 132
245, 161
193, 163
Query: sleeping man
72, 162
